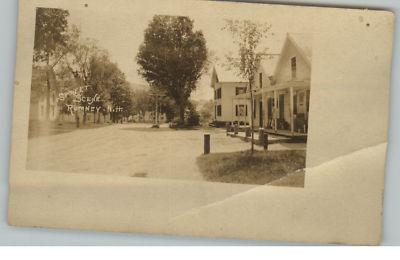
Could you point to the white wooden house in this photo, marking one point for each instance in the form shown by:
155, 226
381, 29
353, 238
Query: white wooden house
287, 98
38, 97
230, 105
281, 91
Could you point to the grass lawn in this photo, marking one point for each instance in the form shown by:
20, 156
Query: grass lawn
260, 168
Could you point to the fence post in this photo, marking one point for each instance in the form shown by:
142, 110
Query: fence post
206, 144
248, 133
265, 139
261, 136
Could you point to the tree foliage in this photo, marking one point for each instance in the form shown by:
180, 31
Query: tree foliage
248, 36
173, 57
206, 112
49, 43
50, 33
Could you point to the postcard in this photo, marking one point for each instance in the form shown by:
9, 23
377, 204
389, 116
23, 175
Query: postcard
201, 118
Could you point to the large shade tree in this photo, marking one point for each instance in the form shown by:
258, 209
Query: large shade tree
50, 44
173, 57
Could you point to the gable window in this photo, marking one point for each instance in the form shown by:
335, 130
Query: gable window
260, 77
293, 63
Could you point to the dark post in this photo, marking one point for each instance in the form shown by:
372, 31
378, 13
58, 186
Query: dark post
261, 136
248, 132
236, 129
206, 144
265, 138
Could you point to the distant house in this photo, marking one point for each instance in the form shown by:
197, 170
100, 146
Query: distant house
229, 106
281, 91
38, 98
149, 117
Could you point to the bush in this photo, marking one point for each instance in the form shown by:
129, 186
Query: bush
193, 118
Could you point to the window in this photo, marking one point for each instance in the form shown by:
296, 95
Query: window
294, 67
219, 110
260, 77
241, 110
240, 90
219, 93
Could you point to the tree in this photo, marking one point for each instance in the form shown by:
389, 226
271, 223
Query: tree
192, 117
50, 42
103, 74
206, 112
79, 61
92, 69
247, 35
141, 101
173, 58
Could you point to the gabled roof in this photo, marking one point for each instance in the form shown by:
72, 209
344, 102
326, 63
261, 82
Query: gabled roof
224, 74
302, 43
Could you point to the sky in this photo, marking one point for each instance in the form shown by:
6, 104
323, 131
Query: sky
122, 32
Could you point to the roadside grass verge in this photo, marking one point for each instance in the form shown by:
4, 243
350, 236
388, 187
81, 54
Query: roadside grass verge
260, 168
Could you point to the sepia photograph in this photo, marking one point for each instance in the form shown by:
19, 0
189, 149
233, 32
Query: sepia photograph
197, 98
201, 118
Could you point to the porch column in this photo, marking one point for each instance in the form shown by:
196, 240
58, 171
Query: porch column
275, 114
265, 108
291, 111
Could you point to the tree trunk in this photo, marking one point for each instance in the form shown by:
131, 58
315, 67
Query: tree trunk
181, 114
84, 115
252, 118
48, 90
